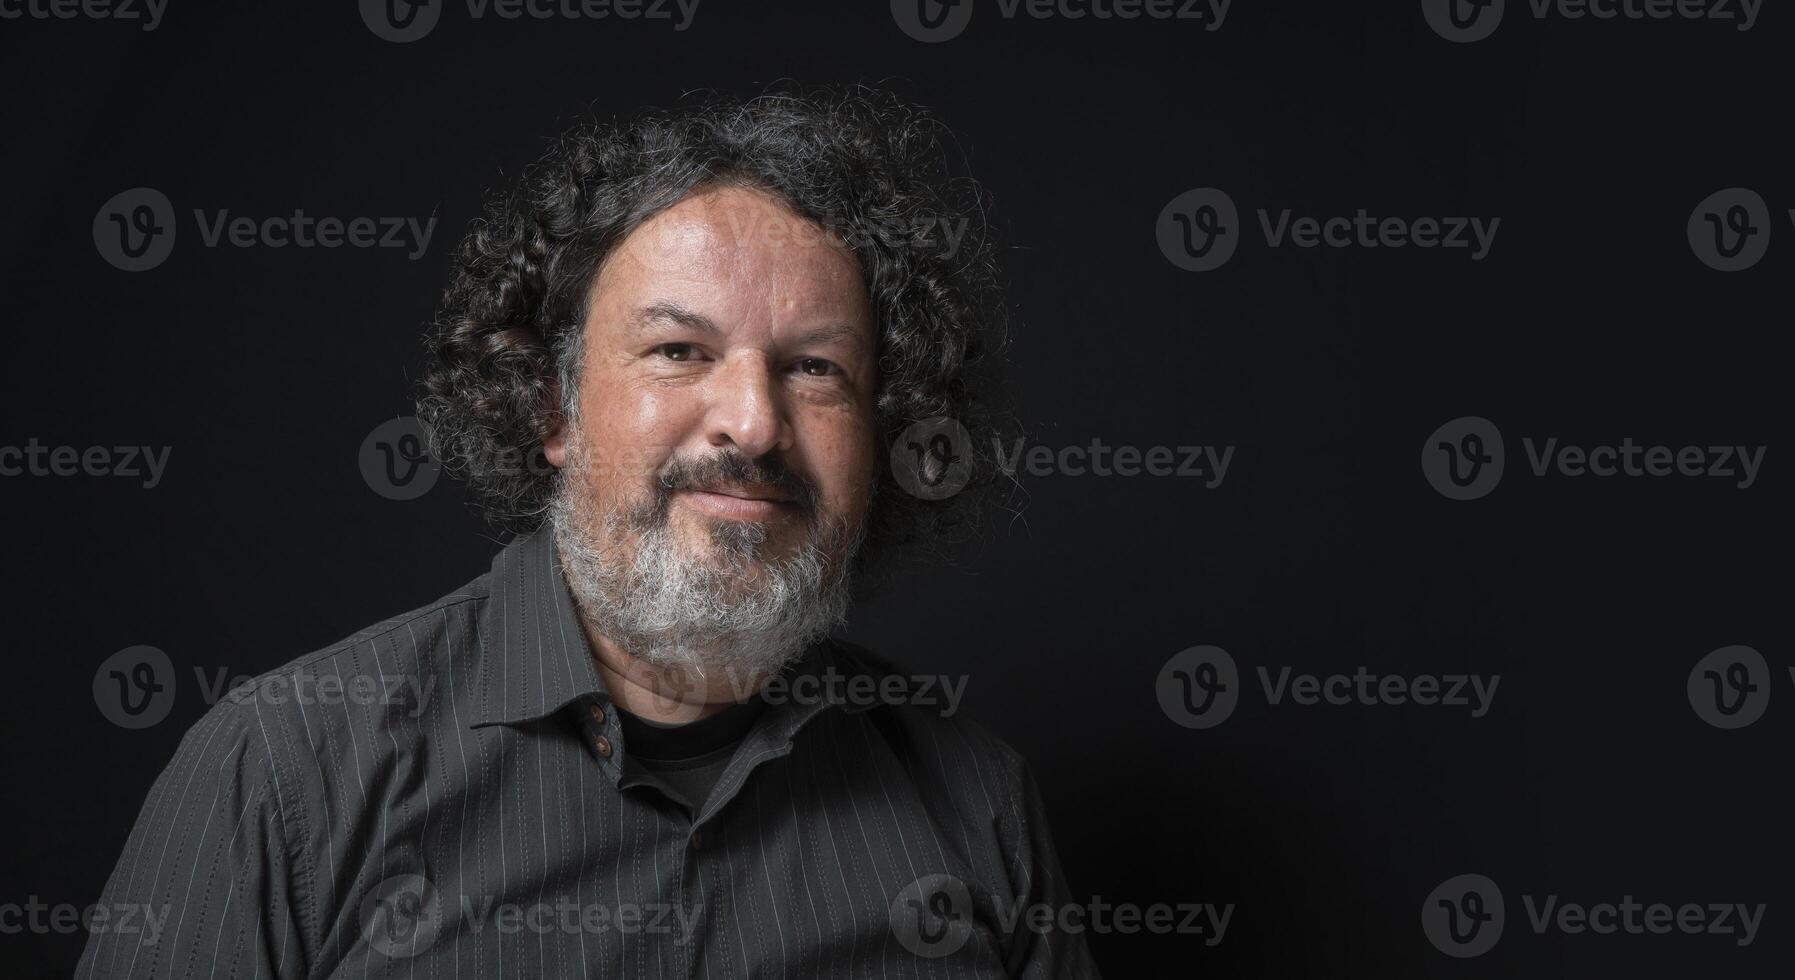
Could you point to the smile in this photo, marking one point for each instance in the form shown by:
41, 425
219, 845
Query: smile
735, 505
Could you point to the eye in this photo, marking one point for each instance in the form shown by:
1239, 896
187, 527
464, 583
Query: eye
677, 352
816, 367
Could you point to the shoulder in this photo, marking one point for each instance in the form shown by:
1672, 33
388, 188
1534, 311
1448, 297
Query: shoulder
414, 642
924, 715
288, 724
425, 625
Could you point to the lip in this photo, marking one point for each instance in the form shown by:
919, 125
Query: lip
736, 505
741, 493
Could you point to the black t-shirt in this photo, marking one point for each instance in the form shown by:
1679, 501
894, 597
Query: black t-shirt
688, 759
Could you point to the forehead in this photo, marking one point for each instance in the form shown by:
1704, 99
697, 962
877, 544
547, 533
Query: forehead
743, 255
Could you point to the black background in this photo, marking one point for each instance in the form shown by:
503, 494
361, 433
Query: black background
1325, 549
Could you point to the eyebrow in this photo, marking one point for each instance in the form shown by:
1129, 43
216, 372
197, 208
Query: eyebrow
830, 334
666, 311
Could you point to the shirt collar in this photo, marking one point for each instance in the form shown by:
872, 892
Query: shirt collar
537, 660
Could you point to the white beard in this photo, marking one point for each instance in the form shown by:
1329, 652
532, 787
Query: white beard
727, 616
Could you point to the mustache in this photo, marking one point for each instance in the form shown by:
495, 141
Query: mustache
767, 474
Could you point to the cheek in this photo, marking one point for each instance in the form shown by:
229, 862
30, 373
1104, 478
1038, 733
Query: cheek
846, 457
630, 432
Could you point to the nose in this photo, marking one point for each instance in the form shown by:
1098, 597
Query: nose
745, 409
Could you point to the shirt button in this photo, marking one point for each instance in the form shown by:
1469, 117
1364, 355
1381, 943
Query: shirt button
603, 745
598, 714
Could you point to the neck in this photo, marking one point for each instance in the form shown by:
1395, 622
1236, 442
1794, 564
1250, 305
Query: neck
674, 695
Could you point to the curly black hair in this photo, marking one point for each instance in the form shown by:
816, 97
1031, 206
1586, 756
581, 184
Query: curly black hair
503, 353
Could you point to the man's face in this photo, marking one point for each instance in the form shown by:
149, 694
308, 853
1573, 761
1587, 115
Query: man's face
726, 393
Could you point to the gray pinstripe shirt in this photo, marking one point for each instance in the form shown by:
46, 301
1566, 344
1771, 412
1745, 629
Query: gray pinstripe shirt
448, 794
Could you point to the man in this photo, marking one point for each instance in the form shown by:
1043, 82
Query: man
713, 364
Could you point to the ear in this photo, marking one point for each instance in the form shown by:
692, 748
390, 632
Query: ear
554, 448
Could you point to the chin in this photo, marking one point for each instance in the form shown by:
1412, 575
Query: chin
752, 569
